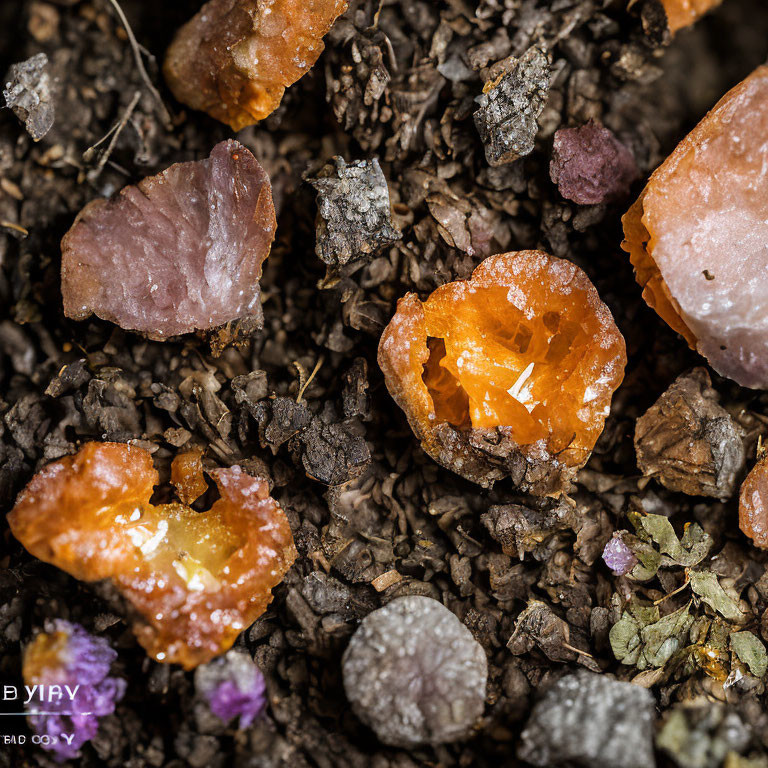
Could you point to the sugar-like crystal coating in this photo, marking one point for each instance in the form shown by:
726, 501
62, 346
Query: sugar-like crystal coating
753, 504
682, 13
179, 252
525, 346
414, 673
235, 58
194, 580
698, 235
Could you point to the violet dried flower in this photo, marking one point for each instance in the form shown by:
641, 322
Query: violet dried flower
590, 165
618, 556
70, 657
232, 686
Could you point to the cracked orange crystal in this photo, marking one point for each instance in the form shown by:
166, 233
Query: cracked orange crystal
696, 236
235, 58
753, 504
682, 13
509, 373
193, 580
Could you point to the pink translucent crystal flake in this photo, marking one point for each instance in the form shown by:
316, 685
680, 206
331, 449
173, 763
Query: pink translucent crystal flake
698, 235
179, 252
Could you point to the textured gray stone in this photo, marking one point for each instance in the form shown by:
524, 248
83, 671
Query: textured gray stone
509, 110
414, 673
354, 215
589, 719
28, 94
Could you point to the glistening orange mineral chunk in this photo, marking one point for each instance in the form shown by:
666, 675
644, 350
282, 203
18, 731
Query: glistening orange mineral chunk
753, 504
235, 58
509, 372
697, 235
194, 580
682, 13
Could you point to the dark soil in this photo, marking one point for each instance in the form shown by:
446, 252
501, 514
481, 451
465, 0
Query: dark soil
63, 383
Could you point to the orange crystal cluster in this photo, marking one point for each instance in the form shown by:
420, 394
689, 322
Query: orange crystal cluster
696, 236
753, 504
194, 580
235, 58
525, 350
682, 13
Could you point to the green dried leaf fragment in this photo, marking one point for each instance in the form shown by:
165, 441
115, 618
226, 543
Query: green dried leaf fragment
625, 639
751, 651
687, 551
644, 639
665, 637
707, 587
649, 560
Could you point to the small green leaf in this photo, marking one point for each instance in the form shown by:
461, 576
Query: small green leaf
648, 558
688, 551
751, 651
625, 639
707, 587
663, 638
642, 639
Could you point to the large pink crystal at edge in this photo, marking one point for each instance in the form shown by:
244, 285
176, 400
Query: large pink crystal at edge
179, 252
698, 235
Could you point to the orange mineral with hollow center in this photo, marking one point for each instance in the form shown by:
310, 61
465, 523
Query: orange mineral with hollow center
523, 354
682, 13
753, 504
697, 235
194, 580
235, 58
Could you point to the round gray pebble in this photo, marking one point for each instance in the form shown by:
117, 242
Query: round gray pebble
414, 673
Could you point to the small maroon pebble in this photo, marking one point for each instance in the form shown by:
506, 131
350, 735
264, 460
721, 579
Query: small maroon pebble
590, 165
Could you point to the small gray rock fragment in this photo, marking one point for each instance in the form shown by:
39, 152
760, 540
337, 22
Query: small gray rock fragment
590, 719
28, 93
414, 673
354, 215
508, 114
689, 442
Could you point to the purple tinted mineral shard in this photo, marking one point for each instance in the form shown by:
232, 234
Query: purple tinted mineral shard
179, 252
232, 686
618, 556
66, 655
590, 165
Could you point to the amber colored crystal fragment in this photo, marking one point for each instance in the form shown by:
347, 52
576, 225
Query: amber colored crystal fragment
753, 504
187, 476
235, 58
194, 580
180, 251
508, 373
682, 13
696, 236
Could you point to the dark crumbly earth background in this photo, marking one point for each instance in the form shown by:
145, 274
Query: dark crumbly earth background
401, 86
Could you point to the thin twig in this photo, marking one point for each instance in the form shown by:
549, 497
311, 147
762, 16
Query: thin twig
15, 227
577, 650
673, 593
136, 48
309, 380
116, 130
